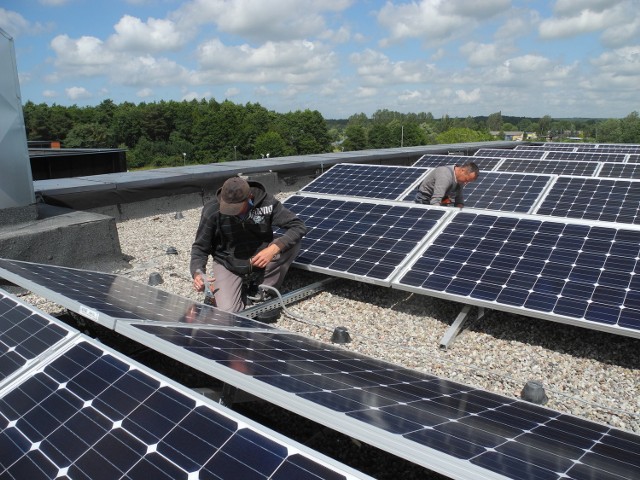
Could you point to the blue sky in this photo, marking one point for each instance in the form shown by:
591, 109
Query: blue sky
564, 58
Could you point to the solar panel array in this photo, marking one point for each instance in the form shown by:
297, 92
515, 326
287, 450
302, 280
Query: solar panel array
363, 239
580, 147
374, 181
593, 199
87, 412
505, 153
451, 428
555, 167
508, 192
569, 271
591, 156
432, 161
619, 170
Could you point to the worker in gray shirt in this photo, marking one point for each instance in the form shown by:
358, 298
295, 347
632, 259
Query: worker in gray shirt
443, 185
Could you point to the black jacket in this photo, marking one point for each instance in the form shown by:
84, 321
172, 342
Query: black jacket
228, 237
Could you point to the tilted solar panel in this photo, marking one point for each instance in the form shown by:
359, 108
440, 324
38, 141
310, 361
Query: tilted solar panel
367, 240
508, 192
557, 148
104, 296
555, 167
620, 170
568, 272
504, 153
586, 156
448, 427
633, 158
432, 161
373, 181
593, 199
25, 335
91, 414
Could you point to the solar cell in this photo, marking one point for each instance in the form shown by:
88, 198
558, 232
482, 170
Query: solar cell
600, 199
364, 240
432, 161
568, 272
90, 414
633, 158
620, 170
505, 153
104, 296
373, 181
555, 167
586, 156
25, 335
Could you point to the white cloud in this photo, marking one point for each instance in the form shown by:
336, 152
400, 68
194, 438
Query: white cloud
376, 69
144, 93
49, 93
231, 92
54, 3
77, 93
619, 21
258, 20
435, 21
468, 96
295, 62
16, 25
85, 56
155, 35
481, 54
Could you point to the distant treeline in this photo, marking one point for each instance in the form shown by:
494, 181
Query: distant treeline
172, 133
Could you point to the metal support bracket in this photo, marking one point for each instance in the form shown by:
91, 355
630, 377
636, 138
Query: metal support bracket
287, 298
457, 325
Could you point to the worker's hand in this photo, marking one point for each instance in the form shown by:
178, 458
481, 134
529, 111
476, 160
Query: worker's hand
263, 257
199, 280
460, 205
445, 201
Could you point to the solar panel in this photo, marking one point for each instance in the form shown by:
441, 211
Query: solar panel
25, 336
432, 161
600, 199
586, 156
373, 181
633, 158
448, 427
104, 296
556, 167
620, 170
504, 153
511, 192
561, 271
557, 148
455, 429
90, 414
360, 239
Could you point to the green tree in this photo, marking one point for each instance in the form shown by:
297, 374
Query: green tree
87, 135
356, 138
462, 135
271, 144
494, 122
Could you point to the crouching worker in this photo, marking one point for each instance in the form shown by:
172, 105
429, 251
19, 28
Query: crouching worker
236, 229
